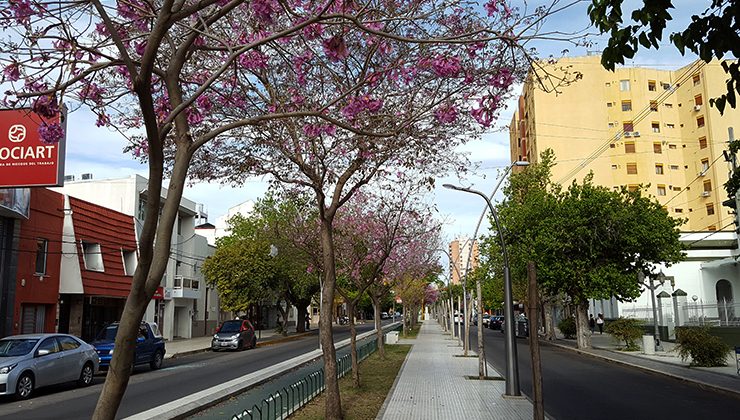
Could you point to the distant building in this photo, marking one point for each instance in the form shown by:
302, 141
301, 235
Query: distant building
460, 253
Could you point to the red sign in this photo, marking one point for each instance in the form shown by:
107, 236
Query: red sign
159, 294
24, 160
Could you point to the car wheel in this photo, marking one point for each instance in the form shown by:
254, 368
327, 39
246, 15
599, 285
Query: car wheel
254, 342
86, 376
156, 362
240, 346
24, 387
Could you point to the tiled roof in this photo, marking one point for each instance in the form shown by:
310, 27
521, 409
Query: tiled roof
114, 232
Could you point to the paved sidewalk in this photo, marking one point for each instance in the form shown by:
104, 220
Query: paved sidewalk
666, 362
181, 347
433, 384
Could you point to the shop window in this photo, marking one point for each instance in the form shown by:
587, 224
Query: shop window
632, 168
42, 246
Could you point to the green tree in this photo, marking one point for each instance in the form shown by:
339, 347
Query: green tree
712, 34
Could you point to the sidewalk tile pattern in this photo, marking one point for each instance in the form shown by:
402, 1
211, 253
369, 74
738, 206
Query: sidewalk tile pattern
433, 385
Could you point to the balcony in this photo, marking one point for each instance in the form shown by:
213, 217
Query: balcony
185, 287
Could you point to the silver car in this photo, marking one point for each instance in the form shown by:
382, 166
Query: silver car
31, 361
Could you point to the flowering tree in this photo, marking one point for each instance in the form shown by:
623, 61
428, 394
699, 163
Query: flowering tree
326, 94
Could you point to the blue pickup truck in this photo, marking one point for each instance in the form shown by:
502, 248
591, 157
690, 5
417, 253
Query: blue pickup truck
149, 345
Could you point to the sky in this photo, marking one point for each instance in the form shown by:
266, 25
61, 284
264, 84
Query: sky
99, 151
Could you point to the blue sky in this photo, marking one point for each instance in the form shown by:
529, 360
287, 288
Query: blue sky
98, 150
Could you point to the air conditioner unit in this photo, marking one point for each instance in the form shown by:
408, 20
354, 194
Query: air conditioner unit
697, 107
628, 134
636, 134
701, 173
705, 193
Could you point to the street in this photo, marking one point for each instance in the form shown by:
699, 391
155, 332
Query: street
179, 377
582, 387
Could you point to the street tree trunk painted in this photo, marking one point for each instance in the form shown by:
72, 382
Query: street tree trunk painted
378, 326
534, 343
583, 333
481, 354
353, 344
549, 307
333, 408
284, 318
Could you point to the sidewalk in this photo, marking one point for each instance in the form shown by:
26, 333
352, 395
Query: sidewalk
433, 384
181, 347
666, 362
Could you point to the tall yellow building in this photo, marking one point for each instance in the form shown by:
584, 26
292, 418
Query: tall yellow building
631, 127
462, 250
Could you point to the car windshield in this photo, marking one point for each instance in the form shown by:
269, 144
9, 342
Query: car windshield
16, 347
230, 327
108, 333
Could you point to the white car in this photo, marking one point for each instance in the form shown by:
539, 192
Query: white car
31, 361
458, 318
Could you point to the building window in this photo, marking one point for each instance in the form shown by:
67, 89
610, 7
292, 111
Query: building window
607, 84
666, 86
704, 165
651, 85
612, 146
700, 122
708, 185
608, 104
92, 256
629, 147
697, 79
657, 148
702, 142
653, 106
624, 85
659, 168
632, 168
612, 125
671, 146
661, 190
656, 127
678, 210
614, 166
711, 228
42, 247
698, 100
676, 188
669, 106
633, 188
671, 125
674, 167
129, 262
626, 105
710, 209
628, 126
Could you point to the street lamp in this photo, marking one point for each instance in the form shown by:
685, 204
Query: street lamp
512, 368
661, 279
481, 354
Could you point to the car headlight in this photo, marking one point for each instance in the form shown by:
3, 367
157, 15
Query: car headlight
6, 369
111, 351
215, 337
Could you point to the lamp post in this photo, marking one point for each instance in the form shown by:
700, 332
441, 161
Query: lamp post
512, 368
661, 278
481, 353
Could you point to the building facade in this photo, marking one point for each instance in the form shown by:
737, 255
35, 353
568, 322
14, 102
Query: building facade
634, 127
464, 258
182, 311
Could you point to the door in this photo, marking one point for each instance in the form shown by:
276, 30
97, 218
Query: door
48, 367
725, 307
32, 318
143, 345
70, 358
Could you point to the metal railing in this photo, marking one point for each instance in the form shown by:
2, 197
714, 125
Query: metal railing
288, 400
715, 314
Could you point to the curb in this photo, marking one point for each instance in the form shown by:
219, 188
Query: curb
259, 344
389, 396
735, 393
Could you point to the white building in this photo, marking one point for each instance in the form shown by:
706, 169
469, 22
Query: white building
188, 308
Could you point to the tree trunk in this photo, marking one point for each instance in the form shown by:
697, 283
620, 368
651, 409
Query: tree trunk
378, 326
534, 344
154, 252
403, 320
583, 333
549, 320
468, 310
333, 407
353, 344
284, 317
301, 323
481, 354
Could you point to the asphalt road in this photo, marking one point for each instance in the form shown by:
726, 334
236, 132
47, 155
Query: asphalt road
179, 377
579, 387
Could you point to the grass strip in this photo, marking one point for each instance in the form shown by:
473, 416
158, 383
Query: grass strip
412, 332
376, 379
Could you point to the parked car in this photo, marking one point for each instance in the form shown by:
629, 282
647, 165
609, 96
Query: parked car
384, 315
486, 319
458, 318
236, 334
31, 361
149, 345
496, 322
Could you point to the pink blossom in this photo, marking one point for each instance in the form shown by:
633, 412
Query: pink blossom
253, 60
491, 7
140, 47
46, 106
446, 66
61, 45
263, 10
102, 29
335, 48
313, 31
103, 120
50, 133
194, 116
91, 92
359, 104
22, 10
486, 111
204, 103
315, 130
446, 114
12, 72
503, 79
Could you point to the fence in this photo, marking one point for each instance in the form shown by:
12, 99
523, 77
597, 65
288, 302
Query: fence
714, 314
289, 399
